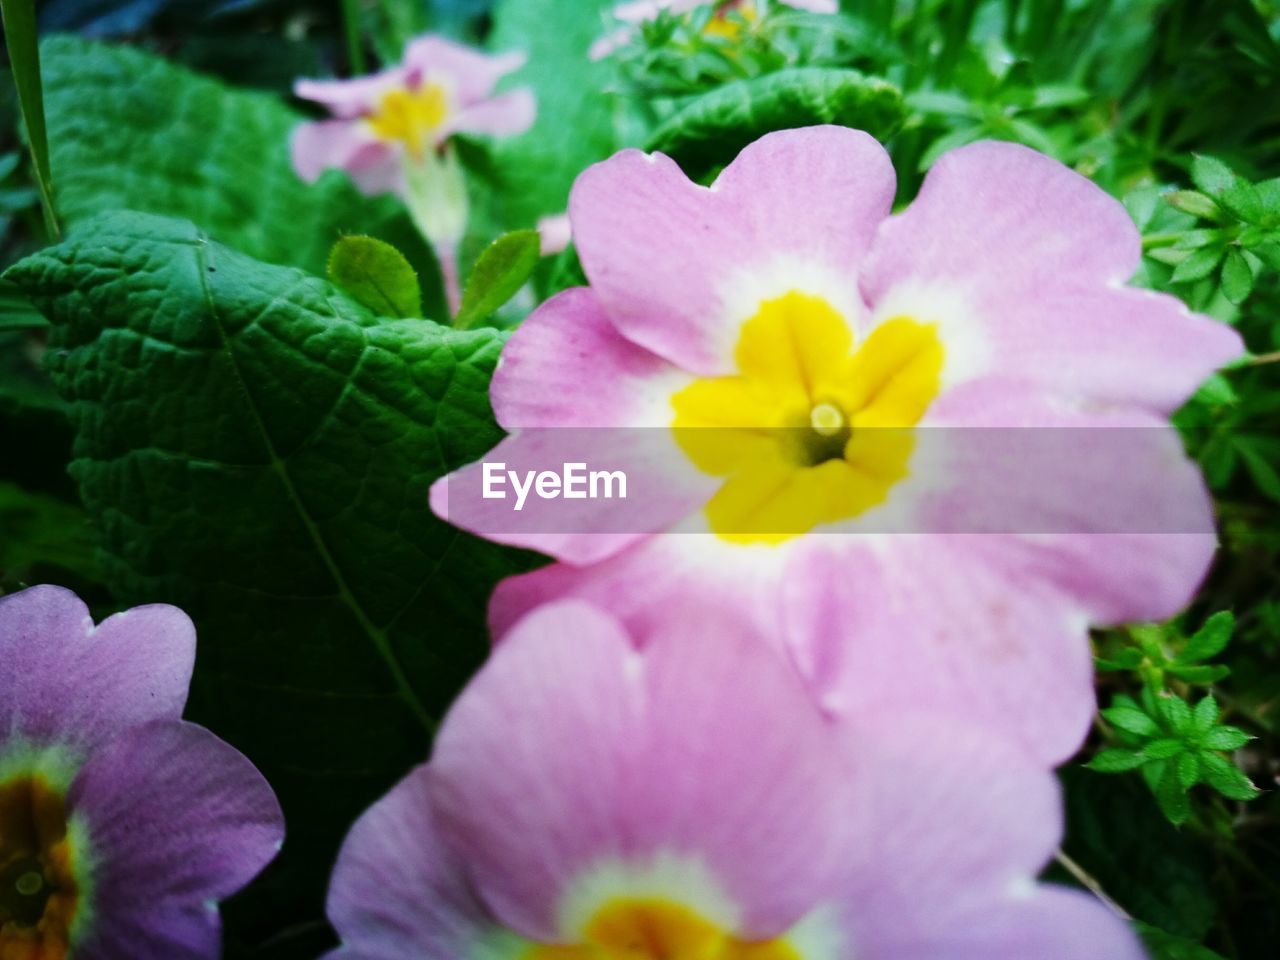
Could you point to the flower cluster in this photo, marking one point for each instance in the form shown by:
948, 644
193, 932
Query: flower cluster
637, 12
812, 710
121, 826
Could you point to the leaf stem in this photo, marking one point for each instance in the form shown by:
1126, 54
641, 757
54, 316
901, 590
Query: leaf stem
1087, 881
351, 26
24, 54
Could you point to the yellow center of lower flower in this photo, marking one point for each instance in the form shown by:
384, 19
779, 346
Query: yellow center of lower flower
652, 929
809, 430
721, 25
38, 890
411, 117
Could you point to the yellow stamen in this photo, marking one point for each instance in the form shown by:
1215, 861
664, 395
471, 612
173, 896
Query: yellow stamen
412, 117
38, 890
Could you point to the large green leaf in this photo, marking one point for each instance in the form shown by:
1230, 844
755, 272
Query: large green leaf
579, 121
257, 447
128, 130
709, 130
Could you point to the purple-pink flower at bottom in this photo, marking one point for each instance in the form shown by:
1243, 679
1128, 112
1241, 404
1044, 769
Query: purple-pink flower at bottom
588, 798
121, 827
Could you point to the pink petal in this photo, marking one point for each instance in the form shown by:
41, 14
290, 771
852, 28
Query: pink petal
505, 115
344, 145
679, 267
815, 6
66, 680
397, 890
1036, 256
471, 74
571, 749
555, 233
348, 99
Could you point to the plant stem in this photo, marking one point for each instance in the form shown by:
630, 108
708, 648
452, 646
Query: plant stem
24, 55
351, 25
1089, 883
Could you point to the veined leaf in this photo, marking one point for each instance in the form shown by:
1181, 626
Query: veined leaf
257, 448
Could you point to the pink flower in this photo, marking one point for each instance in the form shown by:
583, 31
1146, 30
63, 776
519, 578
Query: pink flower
826, 393
587, 798
639, 11
407, 112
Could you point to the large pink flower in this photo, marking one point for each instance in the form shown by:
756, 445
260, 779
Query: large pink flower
390, 119
587, 798
923, 451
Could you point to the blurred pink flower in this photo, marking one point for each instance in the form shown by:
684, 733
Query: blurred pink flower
829, 391
403, 114
555, 233
587, 798
639, 11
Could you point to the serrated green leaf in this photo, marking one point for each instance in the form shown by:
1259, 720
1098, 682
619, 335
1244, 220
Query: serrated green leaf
1226, 778
257, 448
503, 268
1210, 175
1172, 798
129, 130
1193, 202
376, 275
1198, 265
1268, 253
1242, 199
1176, 713
1210, 640
1225, 738
1116, 761
1205, 715
1125, 659
1132, 720
1237, 277
710, 130
1188, 767
1200, 675
1163, 749
1167, 946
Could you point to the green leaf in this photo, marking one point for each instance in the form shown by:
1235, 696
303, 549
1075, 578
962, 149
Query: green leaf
1176, 713
578, 120
43, 537
1268, 253
1172, 797
1237, 277
1199, 265
1211, 175
1210, 640
502, 269
376, 275
129, 130
1167, 946
710, 130
1201, 676
1194, 203
1205, 715
1260, 467
24, 56
1163, 749
1242, 199
1132, 720
1188, 766
257, 448
1226, 778
1116, 761
1225, 738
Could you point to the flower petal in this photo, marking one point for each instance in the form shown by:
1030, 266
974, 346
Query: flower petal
573, 753
472, 74
66, 680
795, 211
344, 145
176, 820
1036, 256
397, 891
505, 115
348, 99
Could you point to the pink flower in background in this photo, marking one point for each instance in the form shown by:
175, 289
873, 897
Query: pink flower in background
586, 798
390, 133
639, 11
400, 116
121, 827
833, 390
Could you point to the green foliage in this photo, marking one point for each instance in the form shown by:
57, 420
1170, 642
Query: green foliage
1176, 747
1239, 232
130, 131
577, 116
257, 447
24, 57
1167, 946
46, 540
1158, 653
376, 275
708, 131
502, 269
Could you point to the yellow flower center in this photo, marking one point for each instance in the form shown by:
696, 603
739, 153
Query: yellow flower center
721, 25
38, 890
809, 431
659, 930
411, 117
